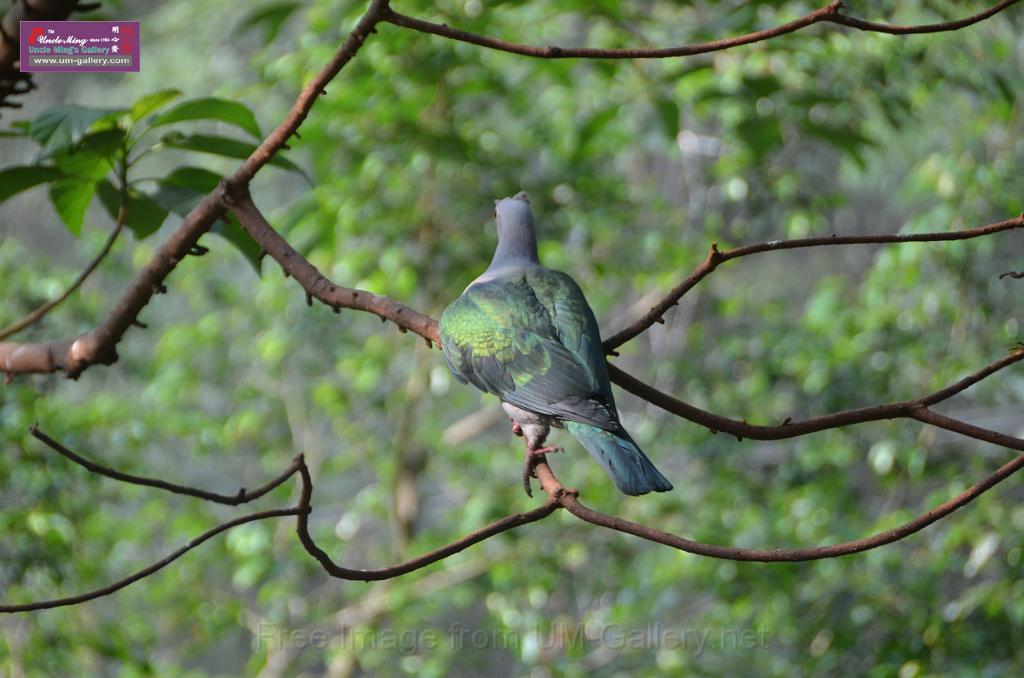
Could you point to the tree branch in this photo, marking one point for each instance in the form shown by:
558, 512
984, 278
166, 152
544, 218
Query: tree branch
337, 296
146, 571
42, 310
716, 257
908, 409
314, 282
558, 497
942, 27
98, 346
828, 13
551, 52
570, 502
73, 356
497, 527
243, 495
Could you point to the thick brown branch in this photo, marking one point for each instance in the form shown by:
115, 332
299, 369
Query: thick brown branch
717, 257
73, 356
829, 13
42, 310
314, 283
908, 409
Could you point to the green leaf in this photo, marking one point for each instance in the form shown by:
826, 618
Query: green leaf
106, 143
668, 111
197, 178
70, 198
86, 163
233, 232
82, 168
150, 103
145, 214
761, 135
271, 16
14, 180
61, 127
182, 189
846, 139
593, 126
211, 108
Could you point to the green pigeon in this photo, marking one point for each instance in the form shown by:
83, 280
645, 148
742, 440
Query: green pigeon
526, 334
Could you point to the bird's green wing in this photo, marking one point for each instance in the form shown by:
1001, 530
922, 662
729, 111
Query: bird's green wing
574, 322
501, 337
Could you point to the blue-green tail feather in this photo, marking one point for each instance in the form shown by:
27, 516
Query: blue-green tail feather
630, 469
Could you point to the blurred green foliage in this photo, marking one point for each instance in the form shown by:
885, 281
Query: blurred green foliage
634, 168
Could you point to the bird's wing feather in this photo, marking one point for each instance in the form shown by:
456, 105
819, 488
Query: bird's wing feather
574, 323
502, 338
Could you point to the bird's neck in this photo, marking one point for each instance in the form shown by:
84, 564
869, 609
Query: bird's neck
514, 250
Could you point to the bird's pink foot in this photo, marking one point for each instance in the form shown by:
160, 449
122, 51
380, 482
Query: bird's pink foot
517, 429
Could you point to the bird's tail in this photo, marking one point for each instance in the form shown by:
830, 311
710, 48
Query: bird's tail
624, 461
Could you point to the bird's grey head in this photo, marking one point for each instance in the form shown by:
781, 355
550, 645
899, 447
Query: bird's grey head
517, 244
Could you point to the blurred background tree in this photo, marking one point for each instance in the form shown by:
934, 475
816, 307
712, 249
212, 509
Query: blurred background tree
634, 167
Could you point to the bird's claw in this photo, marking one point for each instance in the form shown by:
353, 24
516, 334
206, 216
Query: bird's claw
534, 457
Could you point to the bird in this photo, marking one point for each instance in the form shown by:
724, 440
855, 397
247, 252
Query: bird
526, 334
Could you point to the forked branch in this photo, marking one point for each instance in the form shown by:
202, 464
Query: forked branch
829, 13
558, 497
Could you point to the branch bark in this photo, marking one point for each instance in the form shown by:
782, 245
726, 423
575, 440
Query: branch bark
908, 409
716, 257
829, 13
559, 497
312, 280
73, 356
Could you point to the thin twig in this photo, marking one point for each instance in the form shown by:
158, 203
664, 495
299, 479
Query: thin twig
942, 27
829, 13
497, 527
558, 497
717, 257
145, 572
571, 503
41, 311
907, 409
445, 31
241, 497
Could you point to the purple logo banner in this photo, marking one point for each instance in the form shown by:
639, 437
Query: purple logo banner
79, 46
